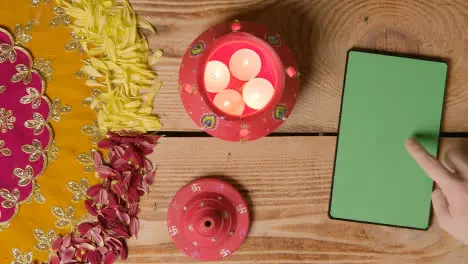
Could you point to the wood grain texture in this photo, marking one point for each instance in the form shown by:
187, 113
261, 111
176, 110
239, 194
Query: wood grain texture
320, 32
286, 181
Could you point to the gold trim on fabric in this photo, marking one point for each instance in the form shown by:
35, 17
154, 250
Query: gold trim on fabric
80, 74
74, 43
25, 175
58, 109
11, 198
45, 240
37, 194
93, 131
23, 73
22, 33
4, 226
7, 120
33, 97
61, 17
78, 189
34, 150
37, 124
65, 217
38, 2
7, 52
52, 152
20, 258
44, 67
4, 151
92, 101
86, 159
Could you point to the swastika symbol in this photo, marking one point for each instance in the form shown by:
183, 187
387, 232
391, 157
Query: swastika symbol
225, 252
241, 209
173, 231
195, 187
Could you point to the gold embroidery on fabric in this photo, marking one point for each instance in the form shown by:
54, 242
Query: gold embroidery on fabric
23, 73
7, 52
25, 175
92, 101
36, 194
87, 161
64, 217
44, 67
38, 123
93, 132
61, 17
58, 109
11, 198
23, 33
2, 89
78, 189
74, 44
80, 74
45, 240
33, 97
4, 226
90, 74
20, 258
3, 150
6, 120
52, 151
38, 2
34, 150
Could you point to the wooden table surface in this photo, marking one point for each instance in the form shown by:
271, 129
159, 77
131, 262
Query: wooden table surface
286, 178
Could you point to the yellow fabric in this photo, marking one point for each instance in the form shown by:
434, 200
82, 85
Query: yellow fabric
49, 43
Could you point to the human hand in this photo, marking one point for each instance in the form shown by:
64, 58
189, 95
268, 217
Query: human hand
450, 198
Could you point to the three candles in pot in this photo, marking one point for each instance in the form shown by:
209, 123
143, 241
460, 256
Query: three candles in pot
253, 92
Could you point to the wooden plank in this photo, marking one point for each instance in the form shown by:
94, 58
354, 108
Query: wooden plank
320, 32
286, 181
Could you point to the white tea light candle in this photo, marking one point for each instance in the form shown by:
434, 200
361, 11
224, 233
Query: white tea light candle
230, 101
257, 93
240, 46
217, 76
245, 64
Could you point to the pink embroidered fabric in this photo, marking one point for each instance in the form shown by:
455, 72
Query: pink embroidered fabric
24, 129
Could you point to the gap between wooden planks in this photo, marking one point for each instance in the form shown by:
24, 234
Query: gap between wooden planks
320, 32
286, 181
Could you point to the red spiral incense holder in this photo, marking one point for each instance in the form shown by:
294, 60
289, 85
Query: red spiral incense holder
208, 219
278, 66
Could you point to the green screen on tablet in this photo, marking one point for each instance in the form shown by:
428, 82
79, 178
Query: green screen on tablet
386, 99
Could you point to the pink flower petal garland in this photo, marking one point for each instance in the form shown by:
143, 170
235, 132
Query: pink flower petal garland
115, 203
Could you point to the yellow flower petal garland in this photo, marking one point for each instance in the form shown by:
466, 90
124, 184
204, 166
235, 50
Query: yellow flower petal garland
118, 64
